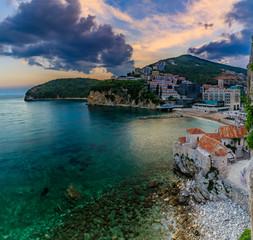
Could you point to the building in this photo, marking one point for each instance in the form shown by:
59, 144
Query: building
231, 97
233, 137
203, 149
147, 70
212, 149
189, 90
137, 71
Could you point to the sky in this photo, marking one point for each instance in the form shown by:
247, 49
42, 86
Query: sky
41, 40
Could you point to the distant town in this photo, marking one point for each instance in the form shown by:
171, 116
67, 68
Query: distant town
177, 90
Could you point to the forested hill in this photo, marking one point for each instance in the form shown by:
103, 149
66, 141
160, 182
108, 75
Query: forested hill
61, 88
196, 69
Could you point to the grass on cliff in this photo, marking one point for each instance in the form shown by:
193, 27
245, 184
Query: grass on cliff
246, 235
63, 88
135, 89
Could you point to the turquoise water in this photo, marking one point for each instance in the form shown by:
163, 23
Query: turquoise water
46, 146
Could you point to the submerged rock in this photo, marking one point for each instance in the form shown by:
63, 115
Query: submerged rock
45, 192
153, 184
73, 193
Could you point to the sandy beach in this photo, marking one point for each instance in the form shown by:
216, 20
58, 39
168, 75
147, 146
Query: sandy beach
217, 117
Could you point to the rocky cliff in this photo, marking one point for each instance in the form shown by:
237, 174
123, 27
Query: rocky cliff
123, 93
202, 185
111, 99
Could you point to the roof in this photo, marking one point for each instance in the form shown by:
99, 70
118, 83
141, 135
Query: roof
230, 132
182, 140
215, 136
221, 152
207, 143
195, 131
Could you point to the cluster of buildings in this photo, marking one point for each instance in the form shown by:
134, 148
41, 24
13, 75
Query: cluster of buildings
219, 98
209, 98
218, 149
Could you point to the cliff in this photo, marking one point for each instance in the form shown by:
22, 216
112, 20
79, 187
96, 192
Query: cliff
123, 93
67, 88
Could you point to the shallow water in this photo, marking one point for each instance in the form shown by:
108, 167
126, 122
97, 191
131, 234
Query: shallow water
46, 146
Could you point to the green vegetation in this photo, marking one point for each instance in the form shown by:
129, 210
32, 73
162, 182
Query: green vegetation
246, 235
233, 148
248, 108
62, 88
133, 90
251, 67
212, 183
198, 70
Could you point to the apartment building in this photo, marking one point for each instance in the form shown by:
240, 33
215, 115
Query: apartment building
230, 97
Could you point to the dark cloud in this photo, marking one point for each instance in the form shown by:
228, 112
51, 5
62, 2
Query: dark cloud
53, 35
206, 25
232, 44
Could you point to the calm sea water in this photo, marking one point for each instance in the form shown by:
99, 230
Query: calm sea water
52, 144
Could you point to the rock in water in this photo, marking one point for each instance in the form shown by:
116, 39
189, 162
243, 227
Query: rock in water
153, 184
73, 193
45, 192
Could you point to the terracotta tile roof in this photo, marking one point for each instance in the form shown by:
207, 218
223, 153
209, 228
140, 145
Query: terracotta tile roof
230, 132
243, 130
182, 140
207, 143
221, 152
195, 131
215, 136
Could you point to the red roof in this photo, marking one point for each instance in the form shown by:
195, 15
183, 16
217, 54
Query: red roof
207, 143
221, 152
215, 136
182, 140
195, 131
230, 132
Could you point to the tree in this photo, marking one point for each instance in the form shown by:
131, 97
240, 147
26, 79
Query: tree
171, 98
161, 92
157, 90
148, 86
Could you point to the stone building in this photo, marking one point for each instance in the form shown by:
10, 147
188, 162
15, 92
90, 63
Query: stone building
212, 149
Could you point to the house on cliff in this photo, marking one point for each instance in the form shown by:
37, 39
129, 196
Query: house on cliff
212, 149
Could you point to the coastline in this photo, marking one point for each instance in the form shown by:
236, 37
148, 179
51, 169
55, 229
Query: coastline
122, 105
216, 117
52, 99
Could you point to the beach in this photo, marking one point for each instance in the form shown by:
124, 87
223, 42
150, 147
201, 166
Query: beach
217, 117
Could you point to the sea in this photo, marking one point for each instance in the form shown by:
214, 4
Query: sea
108, 154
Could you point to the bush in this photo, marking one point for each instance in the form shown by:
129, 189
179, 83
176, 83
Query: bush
246, 235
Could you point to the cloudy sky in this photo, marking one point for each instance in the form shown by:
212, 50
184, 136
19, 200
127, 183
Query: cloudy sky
42, 40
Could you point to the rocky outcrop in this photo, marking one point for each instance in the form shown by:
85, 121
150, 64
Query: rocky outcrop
201, 185
123, 99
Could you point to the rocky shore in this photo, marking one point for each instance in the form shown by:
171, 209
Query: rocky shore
206, 206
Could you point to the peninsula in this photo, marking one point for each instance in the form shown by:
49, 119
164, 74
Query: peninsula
66, 88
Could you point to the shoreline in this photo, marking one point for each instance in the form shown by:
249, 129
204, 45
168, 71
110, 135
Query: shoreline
52, 99
122, 105
215, 117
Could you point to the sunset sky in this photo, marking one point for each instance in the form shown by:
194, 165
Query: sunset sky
41, 40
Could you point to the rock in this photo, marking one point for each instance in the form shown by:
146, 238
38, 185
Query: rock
153, 184
183, 197
47, 236
73, 193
